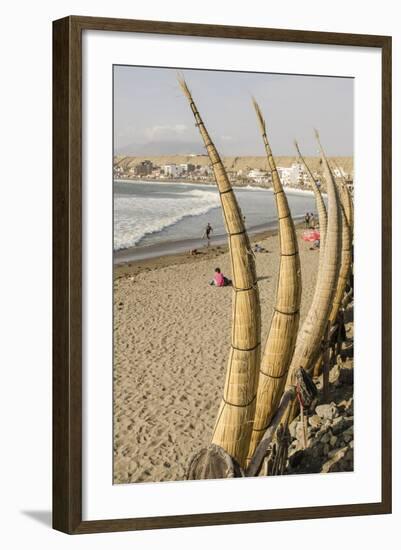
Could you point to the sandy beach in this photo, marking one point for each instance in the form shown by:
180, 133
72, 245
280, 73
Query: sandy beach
172, 334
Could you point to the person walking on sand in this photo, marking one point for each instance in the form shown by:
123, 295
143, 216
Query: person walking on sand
207, 232
307, 218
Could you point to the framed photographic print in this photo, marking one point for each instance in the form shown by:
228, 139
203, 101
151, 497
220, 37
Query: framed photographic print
222, 274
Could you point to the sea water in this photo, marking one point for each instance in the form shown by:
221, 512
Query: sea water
150, 213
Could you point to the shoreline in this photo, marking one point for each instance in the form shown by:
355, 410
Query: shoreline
184, 246
136, 266
218, 247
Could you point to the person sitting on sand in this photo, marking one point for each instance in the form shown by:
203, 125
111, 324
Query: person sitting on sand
219, 279
258, 248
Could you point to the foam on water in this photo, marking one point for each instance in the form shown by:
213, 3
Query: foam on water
137, 216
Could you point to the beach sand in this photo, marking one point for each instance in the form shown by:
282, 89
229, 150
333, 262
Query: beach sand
171, 341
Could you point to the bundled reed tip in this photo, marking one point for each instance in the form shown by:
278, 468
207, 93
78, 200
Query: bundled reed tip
319, 144
261, 120
183, 85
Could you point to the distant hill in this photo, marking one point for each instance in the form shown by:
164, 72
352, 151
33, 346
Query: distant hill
232, 163
169, 148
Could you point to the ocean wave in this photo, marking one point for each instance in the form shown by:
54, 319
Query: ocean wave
135, 216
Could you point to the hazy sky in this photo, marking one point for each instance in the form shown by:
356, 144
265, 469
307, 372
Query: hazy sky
152, 116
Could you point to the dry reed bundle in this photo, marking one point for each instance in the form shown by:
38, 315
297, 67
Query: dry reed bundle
346, 200
281, 338
233, 426
320, 206
346, 252
314, 326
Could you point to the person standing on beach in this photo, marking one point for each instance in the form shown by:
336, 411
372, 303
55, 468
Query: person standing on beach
307, 220
207, 232
312, 220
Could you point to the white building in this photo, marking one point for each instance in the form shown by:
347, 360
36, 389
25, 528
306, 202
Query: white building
183, 168
258, 175
205, 170
171, 170
285, 175
292, 176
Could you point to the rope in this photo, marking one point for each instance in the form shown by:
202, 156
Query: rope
239, 233
246, 349
240, 406
272, 375
286, 312
244, 289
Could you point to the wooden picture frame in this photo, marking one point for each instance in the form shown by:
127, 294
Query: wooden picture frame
67, 273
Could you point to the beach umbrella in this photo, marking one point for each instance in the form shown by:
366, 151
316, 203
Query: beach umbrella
320, 206
233, 426
311, 235
312, 331
279, 345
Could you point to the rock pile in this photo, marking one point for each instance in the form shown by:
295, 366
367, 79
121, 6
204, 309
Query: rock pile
328, 430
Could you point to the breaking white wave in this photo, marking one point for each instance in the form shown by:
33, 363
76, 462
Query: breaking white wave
137, 216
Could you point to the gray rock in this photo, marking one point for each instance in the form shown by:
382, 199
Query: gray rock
350, 406
334, 462
315, 421
338, 425
316, 451
327, 411
349, 431
326, 437
333, 441
326, 449
349, 455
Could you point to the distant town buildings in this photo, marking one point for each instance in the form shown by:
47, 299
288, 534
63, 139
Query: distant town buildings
294, 176
259, 176
177, 170
171, 170
143, 168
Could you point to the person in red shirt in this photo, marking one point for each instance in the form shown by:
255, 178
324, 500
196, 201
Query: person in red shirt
219, 279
